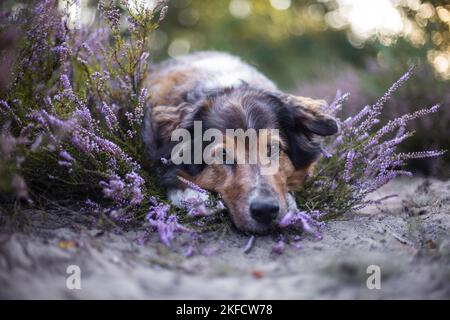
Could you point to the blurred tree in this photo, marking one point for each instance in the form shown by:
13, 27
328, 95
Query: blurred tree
297, 40
288, 43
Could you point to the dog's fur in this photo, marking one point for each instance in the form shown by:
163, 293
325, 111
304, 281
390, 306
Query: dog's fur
225, 93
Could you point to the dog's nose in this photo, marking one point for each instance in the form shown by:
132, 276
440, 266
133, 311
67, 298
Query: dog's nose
264, 210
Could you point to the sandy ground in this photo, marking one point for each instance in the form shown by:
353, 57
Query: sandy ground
407, 237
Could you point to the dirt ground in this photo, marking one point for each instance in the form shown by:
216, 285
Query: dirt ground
408, 238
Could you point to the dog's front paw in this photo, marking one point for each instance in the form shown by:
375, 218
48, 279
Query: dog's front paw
179, 197
194, 202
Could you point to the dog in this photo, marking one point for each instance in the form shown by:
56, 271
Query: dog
223, 92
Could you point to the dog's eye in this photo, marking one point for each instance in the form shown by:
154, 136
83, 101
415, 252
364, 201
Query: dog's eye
273, 149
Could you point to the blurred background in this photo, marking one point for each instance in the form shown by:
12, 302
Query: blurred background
316, 47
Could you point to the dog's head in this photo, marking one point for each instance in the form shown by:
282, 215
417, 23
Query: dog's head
256, 198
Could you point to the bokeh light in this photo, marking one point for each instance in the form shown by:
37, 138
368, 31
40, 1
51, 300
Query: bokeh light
188, 17
138, 5
240, 9
367, 18
280, 4
79, 14
179, 47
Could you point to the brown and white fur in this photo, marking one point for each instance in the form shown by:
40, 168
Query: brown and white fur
224, 92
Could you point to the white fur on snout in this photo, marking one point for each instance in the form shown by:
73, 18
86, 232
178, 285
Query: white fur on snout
178, 197
290, 201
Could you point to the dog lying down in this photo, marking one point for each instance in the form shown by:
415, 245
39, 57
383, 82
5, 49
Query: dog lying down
211, 90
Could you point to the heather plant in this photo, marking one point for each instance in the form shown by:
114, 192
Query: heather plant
432, 131
369, 83
362, 158
71, 118
70, 130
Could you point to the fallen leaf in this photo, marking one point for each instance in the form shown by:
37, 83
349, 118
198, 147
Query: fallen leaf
258, 274
430, 244
67, 244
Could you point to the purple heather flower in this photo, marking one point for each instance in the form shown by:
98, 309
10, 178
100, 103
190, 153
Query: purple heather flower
379, 181
135, 187
309, 225
296, 245
404, 173
65, 164
192, 185
391, 143
335, 106
163, 13
325, 153
351, 121
5, 106
400, 122
287, 220
25, 132
67, 86
142, 238
92, 205
380, 103
167, 229
316, 214
121, 216
189, 251
110, 116
249, 244
348, 166
88, 49
114, 189
195, 207
135, 117
278, 248
133, 24
62, 51
165, 225
376, 108
421, 154
6, 109
66, 156
112, 15
158, 210
20, 187
36, 144
303, 220
85, 119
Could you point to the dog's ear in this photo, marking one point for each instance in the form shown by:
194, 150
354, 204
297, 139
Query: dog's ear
159, 123
308, 114
302, 121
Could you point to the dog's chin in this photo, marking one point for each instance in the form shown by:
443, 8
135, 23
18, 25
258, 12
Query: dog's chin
259, 228
251, 226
